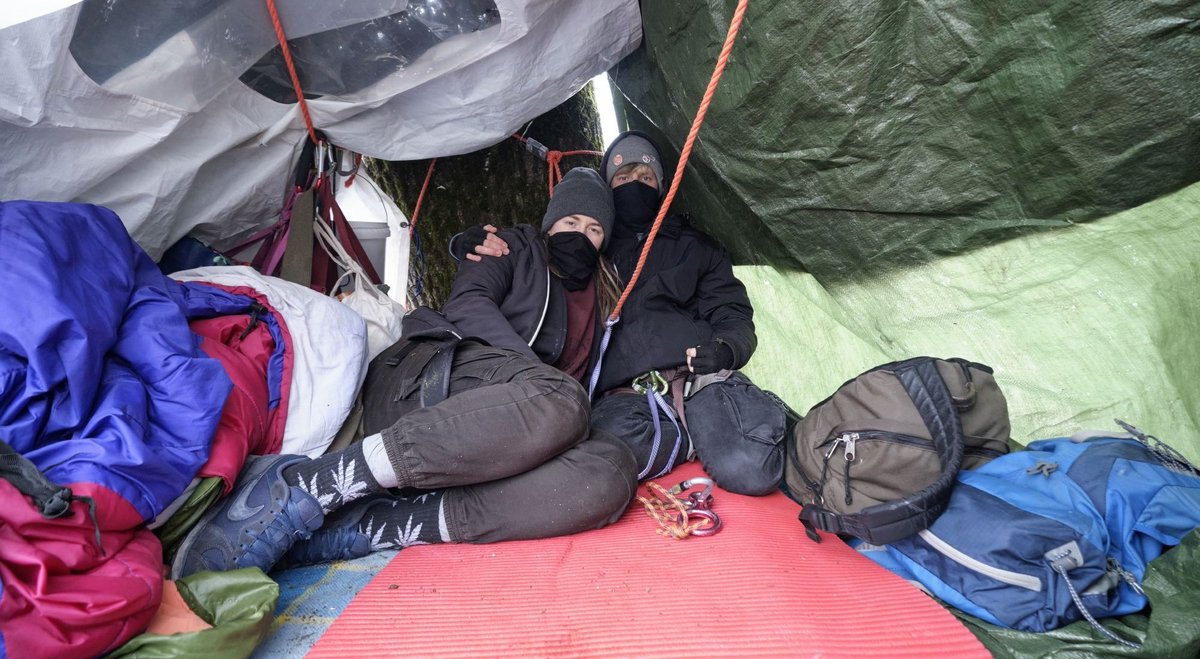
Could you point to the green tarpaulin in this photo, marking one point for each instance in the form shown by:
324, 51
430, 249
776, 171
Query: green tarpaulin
1012, 182
850, 137
1094, 322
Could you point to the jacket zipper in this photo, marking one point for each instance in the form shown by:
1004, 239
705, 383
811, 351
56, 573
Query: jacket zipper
545, 308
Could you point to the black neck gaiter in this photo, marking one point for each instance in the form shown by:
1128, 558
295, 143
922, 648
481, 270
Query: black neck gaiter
636, 205
574, 258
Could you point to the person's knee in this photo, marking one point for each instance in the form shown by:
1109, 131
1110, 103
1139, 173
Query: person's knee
612, 471
551, 381
756, 470
559, 404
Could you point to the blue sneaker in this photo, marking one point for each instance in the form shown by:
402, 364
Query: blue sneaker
340, 538
255, 525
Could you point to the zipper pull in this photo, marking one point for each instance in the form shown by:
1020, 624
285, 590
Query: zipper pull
1126, 576
833, 447
851, 438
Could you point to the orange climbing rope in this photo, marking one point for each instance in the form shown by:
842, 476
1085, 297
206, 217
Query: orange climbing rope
553, 158
734, 25
412, 224
291, 66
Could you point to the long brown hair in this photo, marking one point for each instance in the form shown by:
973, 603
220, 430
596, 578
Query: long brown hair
608, 286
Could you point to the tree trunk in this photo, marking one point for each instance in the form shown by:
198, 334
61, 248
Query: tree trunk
503, 185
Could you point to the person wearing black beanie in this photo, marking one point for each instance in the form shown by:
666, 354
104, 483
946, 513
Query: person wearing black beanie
475, 413
688, 320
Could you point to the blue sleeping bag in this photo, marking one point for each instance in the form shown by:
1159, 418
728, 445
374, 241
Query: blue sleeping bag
1031, 536
101, 380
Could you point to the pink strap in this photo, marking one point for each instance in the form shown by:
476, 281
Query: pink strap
274, 239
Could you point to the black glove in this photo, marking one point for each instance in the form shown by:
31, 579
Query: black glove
712, 357
465, 243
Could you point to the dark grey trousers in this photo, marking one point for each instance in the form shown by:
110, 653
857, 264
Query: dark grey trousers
511, 446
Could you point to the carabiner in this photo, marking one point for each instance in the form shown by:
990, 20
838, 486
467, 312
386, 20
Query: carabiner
650, 381
319, 157
695, 500
701, 514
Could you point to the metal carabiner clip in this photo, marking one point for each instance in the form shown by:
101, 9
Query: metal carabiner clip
704, 514
651, 381
699, 505
702, 499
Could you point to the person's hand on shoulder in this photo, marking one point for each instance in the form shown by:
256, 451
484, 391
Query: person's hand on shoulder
476, 242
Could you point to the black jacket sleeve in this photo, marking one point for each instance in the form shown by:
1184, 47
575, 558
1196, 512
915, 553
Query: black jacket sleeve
475, 298
723, 302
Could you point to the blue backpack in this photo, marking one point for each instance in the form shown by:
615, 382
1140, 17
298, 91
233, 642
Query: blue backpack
1059, 532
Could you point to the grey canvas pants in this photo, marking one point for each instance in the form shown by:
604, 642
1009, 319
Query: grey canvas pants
511, 446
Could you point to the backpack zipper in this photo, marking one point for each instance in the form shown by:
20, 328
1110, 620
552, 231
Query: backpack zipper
895, 438
848, 441
1009, 577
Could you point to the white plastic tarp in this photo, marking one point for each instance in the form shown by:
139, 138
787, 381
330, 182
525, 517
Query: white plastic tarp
166, 112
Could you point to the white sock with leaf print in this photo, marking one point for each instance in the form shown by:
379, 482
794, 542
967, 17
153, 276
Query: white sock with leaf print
336, 479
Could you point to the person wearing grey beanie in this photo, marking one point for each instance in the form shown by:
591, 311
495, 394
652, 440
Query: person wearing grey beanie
480, 408
582, 192
552, 288
688, 321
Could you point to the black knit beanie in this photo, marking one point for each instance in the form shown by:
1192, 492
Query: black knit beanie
582, 192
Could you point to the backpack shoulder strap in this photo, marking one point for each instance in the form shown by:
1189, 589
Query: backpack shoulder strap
892, 520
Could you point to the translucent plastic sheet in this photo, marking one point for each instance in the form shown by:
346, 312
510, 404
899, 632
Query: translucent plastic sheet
170, 112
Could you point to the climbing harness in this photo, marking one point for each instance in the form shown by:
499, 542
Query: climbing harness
654, 386
680, 512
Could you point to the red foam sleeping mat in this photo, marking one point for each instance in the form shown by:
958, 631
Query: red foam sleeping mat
759, 587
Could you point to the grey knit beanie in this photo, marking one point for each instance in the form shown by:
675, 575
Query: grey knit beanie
631, 147
582, 192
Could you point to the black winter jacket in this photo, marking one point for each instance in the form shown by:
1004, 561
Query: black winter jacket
687, 295
513, 301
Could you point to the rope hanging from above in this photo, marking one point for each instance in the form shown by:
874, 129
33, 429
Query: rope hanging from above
291, 67
734, 24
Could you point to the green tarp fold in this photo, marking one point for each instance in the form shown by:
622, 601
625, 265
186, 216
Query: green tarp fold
1094, 322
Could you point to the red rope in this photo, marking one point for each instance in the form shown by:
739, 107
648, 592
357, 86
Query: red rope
291, 66
553, 159
734, 25
412, 225
354, 170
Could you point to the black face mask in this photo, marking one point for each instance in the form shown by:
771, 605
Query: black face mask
574, 258
636, 204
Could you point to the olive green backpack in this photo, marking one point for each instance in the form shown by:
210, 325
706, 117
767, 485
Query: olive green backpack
877, 459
